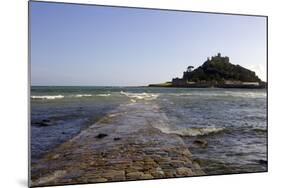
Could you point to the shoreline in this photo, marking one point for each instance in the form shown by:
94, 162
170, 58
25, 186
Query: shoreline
124, 145
209, 86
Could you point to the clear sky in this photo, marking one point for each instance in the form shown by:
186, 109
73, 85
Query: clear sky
109, 46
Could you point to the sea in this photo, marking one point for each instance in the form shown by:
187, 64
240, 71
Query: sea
225, 129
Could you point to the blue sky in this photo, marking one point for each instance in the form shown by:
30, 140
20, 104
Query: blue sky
109, 46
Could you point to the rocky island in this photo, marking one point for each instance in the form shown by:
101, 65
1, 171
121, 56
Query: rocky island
216, 71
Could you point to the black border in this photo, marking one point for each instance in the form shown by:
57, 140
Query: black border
132, 7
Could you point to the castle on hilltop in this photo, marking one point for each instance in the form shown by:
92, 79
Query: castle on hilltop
217, 71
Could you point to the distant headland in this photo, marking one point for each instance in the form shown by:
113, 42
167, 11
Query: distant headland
216, 72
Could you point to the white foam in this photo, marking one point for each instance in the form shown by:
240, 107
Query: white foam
48, 97
103, 95
140, 96
187, 131
83, 95
198, 131
133, 101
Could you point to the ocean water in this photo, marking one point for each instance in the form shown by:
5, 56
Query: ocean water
231, 123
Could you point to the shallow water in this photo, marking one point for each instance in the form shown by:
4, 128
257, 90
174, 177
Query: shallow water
232, 121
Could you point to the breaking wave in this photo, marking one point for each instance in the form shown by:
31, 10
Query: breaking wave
197, 131
67, 96
83, 95
103, 95
190, 131
140, 96
48, 97
90, 95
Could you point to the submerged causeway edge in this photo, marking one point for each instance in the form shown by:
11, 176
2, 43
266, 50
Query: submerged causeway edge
124, 145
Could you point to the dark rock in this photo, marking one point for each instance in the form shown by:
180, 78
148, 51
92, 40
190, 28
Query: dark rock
263, 162
200, 142
101, 135
117, 138
103, 154
42, 124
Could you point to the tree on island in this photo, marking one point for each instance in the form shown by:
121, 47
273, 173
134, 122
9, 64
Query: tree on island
189, 68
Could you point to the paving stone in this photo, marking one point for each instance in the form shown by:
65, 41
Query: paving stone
99, 180
183, 171
134, 175
111, 174
147, 176
144, 152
